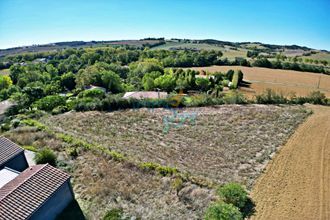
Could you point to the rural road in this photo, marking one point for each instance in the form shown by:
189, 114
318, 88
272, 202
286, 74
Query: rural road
296, 183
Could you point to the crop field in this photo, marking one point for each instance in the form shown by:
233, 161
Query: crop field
227, 51
296, 183
319, 56
285, 81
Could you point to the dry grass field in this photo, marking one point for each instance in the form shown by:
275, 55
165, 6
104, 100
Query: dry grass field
226, 143
212, 147
285, 81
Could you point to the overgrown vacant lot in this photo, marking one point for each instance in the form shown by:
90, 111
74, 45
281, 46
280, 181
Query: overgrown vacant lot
224, 143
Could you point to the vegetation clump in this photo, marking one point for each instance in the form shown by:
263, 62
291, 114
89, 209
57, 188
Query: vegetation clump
44, 156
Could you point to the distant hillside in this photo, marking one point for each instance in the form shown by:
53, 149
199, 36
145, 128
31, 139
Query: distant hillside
230, 50
80, 44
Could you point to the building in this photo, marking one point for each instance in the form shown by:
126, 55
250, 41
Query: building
145, 95
12, 156
40, 192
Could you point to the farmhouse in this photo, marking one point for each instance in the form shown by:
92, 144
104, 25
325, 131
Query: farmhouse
12, 156
145, 95
39, 192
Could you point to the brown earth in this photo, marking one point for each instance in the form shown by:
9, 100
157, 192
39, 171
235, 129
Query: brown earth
296, 184
285, 81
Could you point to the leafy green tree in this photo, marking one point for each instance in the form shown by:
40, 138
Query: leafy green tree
68, 81
166, 82
148, 80
48, 103
111, 81
5, 82
203, 83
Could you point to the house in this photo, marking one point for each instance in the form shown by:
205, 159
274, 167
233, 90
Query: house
12, 156
39, 192
145, 95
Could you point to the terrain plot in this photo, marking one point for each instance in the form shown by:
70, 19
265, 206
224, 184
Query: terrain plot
285, 81
226, 143
296, 183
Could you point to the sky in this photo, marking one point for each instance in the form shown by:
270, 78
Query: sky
285, 22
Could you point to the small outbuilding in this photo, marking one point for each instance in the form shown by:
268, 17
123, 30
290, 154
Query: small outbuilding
40, 192
12, 156
145, 95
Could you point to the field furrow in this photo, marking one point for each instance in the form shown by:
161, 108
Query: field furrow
296, 183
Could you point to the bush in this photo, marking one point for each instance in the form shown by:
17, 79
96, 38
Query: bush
234, 97
233, 193
223, 211
48, 103
44, 156
271, 97
114, 214
92, 93
162, 170
316, 97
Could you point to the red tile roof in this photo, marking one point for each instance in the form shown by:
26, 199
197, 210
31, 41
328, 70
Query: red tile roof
25, 194
8, 150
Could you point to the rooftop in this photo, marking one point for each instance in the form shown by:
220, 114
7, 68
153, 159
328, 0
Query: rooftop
6, 175
8, 150
25, 194
145, 95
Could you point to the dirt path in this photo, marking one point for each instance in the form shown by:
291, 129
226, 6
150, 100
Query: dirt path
296, 184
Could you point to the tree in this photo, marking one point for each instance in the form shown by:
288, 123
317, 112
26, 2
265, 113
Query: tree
5, 82
48, 103
111, 81
148, 80
203, 83
68, 81
166, 82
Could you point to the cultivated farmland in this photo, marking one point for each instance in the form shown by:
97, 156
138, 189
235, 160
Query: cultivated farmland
285, 81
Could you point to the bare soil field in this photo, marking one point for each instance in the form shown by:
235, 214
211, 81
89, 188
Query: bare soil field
285, 81
296, 183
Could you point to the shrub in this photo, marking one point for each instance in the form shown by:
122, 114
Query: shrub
162, 170
233, 193
87, 104
48, 103
44, 156
33, 123
234, 97
114, 214
223, 211
59, 110
316, 97
271, 97
92, 93
30, 148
